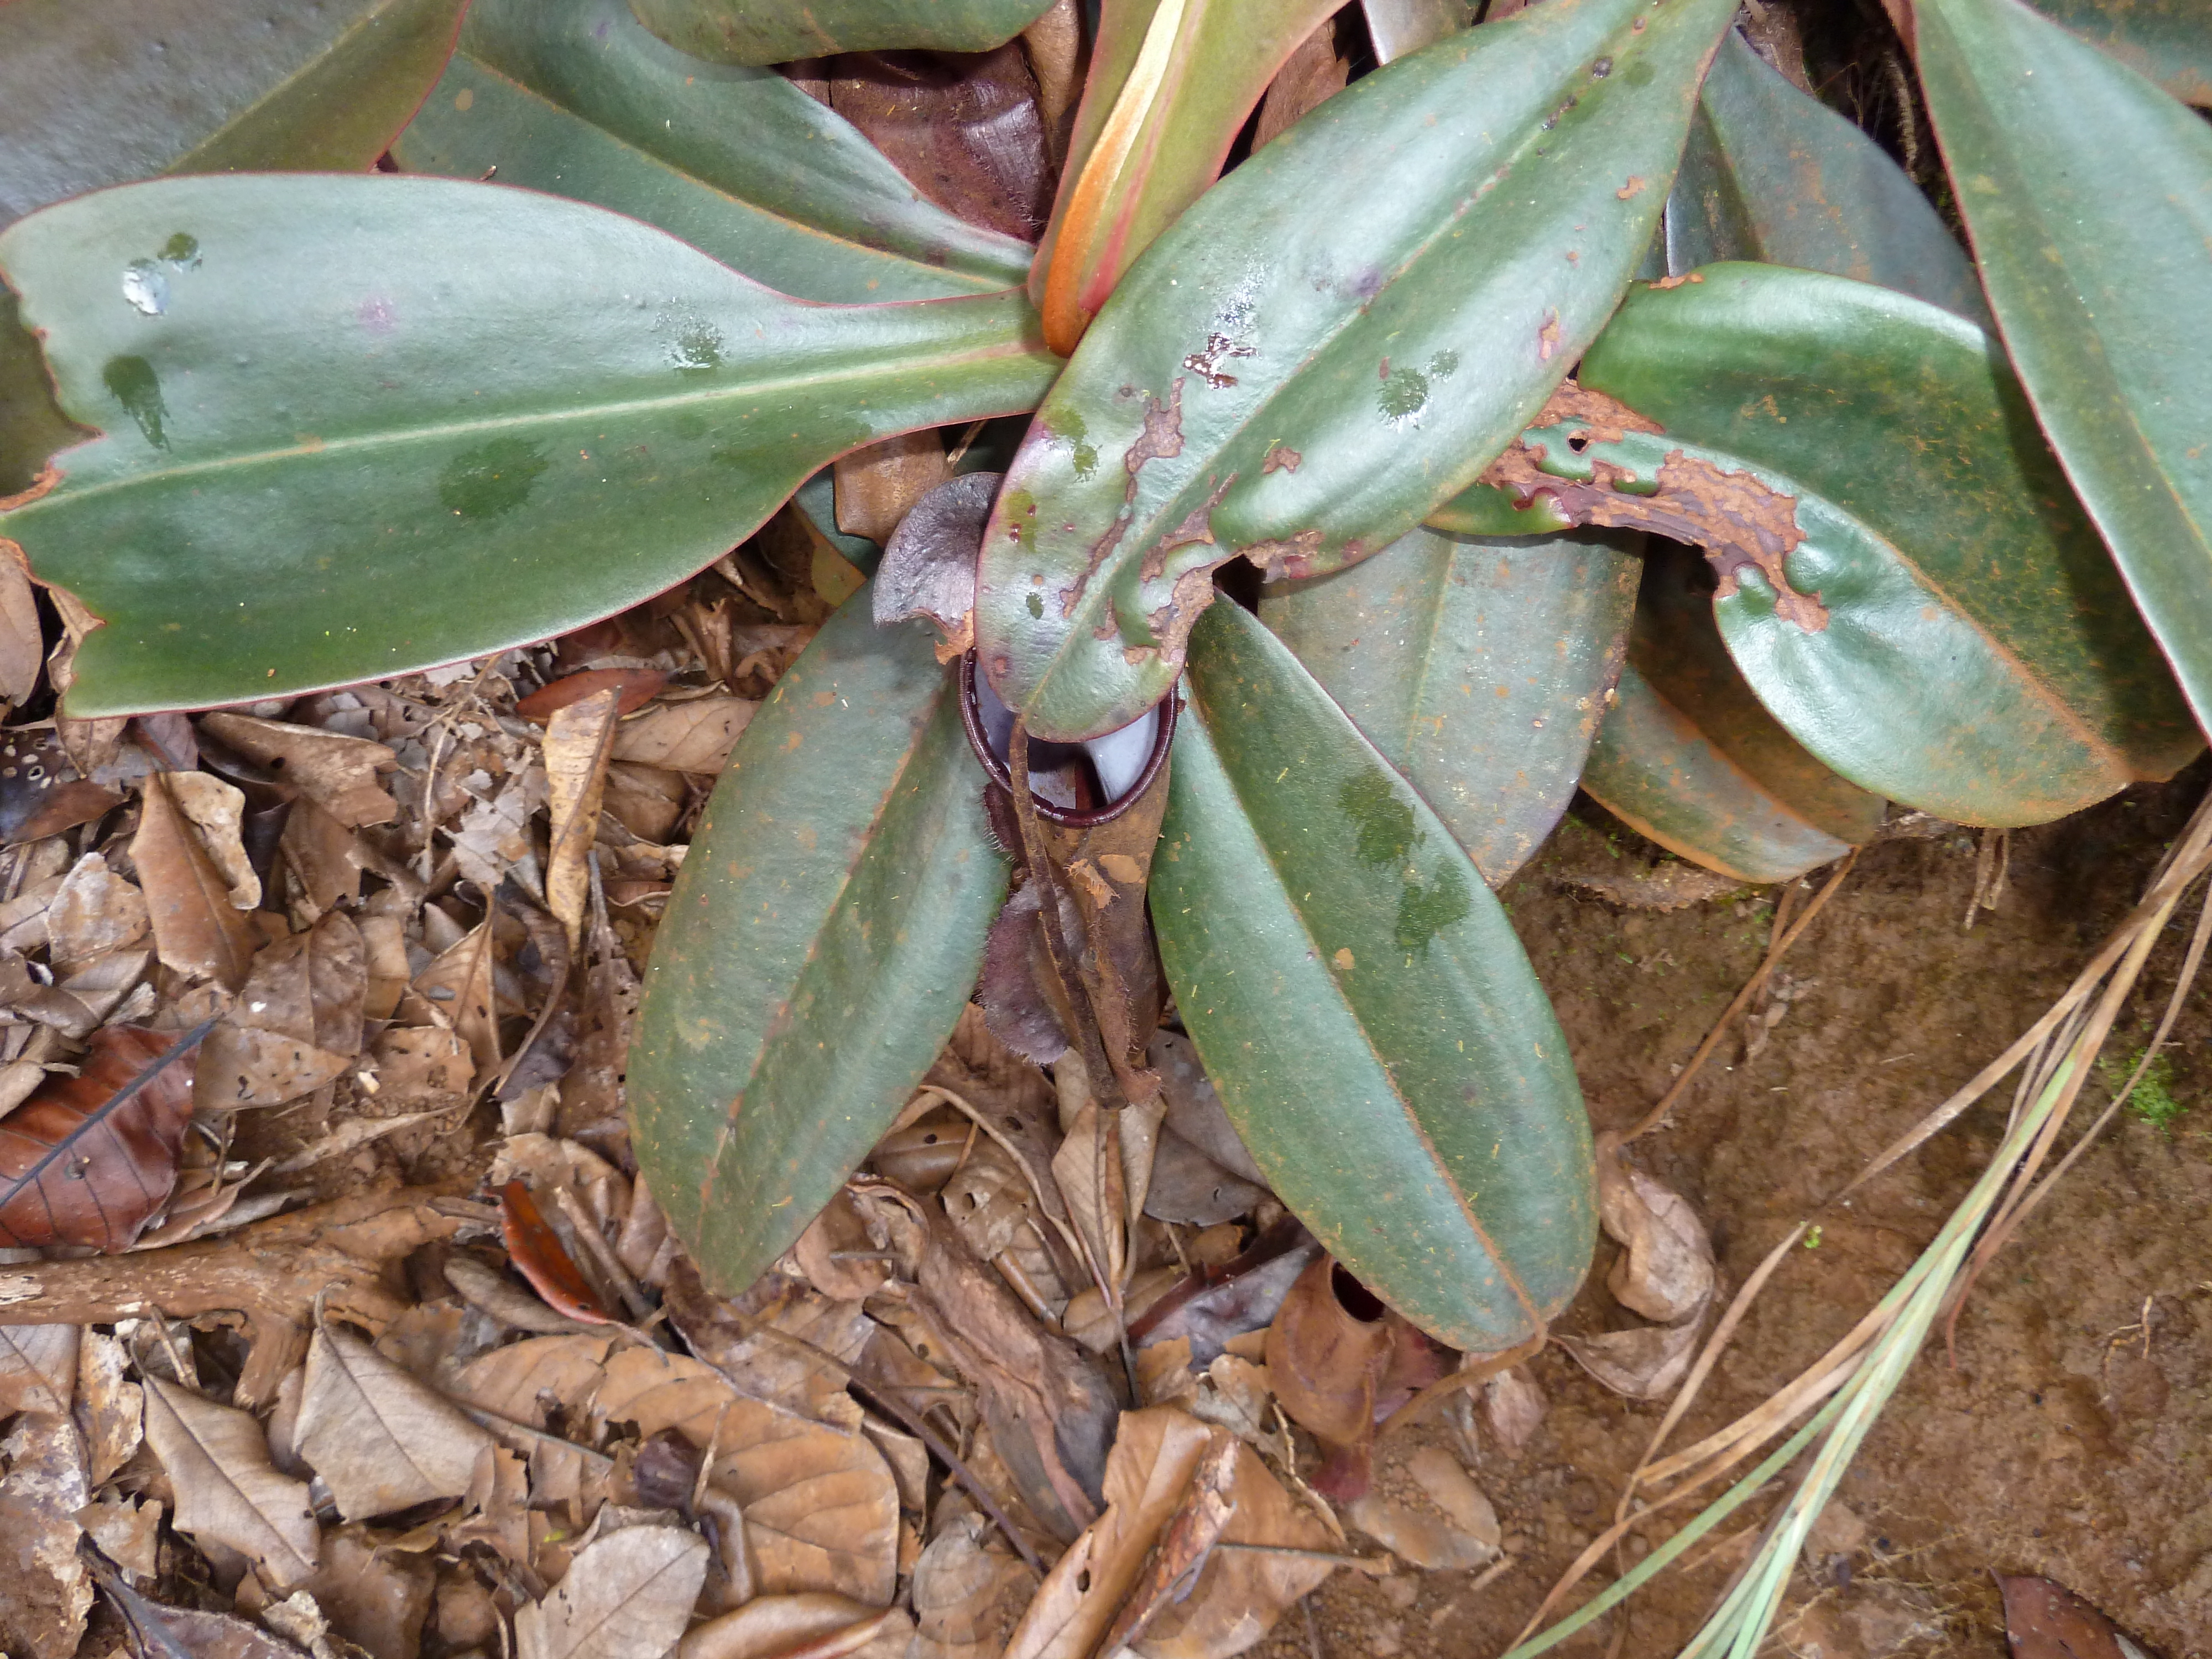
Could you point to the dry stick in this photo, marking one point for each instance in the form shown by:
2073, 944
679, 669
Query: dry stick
1657, 1114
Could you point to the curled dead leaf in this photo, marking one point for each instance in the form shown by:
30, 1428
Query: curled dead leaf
1666, 1271
226, 1488
1642, 1363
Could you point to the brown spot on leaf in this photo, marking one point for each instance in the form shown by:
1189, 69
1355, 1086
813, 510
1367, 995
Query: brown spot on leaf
1280, 559
1161, 439
1196, 529
1547, 338
1206, 362
1280, 457
1633, 187
1677, 282
1737, 519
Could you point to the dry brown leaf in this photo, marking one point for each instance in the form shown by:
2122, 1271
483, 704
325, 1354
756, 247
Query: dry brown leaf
877, 484
197, 929
380, 1439
820, 1505
226, 1488
384, 954
498, 1504
46, 1591
966, 1593
1238, 1593
1644, 1363
1194, 1108
1315, 73
648, 801
338, 774
38, 1366
817, 1625
695, 735
2044, 1620
111, 1408
425, 1067
1189, 1187
217, 810
92, 911
1513, 1406
577, 739
628, 1596
482, 1286
22, 636
1455, 1530
241, 1065
376, 1599
1666, 1272
527, 1382
127, 1531
745, 1338
324, 857
459, 985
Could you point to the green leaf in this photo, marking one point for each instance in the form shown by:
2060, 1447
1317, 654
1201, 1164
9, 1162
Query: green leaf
2088, 195
1950, 632
32, 426
1478, 669
824, 931
574, 97
2168, 40
1363, 1006
762, 32
1171, 84
1773, 174
1688, 757
378, 423
1333, 341
99, 92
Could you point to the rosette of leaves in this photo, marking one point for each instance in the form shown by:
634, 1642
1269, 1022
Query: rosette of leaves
1834, 514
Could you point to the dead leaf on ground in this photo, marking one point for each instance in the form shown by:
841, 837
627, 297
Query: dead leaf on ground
878, 484
966, 1593
217, 812
459, 984
578, 737
127, 1531
376, 1599
338, 773
634, 688
42, 792
1441, 1521
539, 1257
111, 1408
22, 635
380, 1439
92, 912
528, 1382
694, 735
1238, 1593
1316, 71
198, 931
818, 1627
627, 1596
226, 1488
2046, 1620
821, 1507
89, 1159
1644, 1363
1513, 1406
1666, 1272
46, 1591
38, 1367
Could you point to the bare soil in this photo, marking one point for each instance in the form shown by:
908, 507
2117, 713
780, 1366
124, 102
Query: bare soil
2069, 1431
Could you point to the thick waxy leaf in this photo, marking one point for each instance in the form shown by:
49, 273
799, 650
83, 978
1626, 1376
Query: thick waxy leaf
99, 92
760, 32
823, 936
1361, 1004
1773, 174
1478, 670
1687, 755
1905, 580
2088, 195
1171, 84
377, 424
574, 97
2169, 41
1333, 341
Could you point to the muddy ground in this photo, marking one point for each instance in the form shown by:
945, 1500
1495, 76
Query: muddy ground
2069, 1435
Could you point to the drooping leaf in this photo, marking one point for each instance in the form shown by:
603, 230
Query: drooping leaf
1774, 174
1332, 342
574, 97
89, 1159
1478, 669
462, 398
1361, 1004
2169, 41
1171, 84
1688, 757
750, 32
99, 92
1905, 580
823, 933
2095, 267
